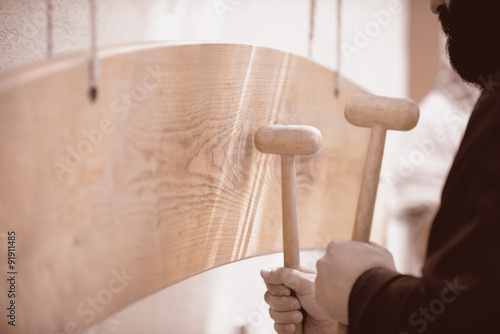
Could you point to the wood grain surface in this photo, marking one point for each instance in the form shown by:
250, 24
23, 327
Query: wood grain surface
159, 180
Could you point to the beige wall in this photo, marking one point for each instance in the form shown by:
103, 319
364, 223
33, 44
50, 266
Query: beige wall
425, 48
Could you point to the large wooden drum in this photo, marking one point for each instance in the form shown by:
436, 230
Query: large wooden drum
159, 179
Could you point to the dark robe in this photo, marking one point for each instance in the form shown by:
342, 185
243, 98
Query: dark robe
460, 288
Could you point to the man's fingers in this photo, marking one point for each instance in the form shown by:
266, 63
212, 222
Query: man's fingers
284, 329
278, 290
282, 304
307, 270
376, 245
272, 276
295, 280
298, 281
335, 246
283, 318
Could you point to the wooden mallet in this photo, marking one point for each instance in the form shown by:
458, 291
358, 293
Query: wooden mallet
380, 114
289, 141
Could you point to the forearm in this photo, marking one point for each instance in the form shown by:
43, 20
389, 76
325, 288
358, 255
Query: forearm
375, 287
385, 302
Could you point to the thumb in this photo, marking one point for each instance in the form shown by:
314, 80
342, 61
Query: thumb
298, 281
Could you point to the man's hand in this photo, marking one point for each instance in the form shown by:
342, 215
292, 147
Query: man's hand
339, 269
285, 308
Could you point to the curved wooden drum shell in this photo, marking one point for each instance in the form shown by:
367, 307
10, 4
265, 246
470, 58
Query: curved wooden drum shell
159, 180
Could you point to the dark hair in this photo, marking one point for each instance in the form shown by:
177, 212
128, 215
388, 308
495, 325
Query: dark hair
473, 31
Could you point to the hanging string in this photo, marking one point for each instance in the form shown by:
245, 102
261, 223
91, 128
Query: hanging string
338, 82
50, 51
94, 61
311, 26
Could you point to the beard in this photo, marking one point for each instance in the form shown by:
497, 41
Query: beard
473, 38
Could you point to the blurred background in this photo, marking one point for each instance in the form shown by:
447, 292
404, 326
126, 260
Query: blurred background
388, 47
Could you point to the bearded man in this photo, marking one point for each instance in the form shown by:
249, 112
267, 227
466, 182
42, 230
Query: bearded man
459, 292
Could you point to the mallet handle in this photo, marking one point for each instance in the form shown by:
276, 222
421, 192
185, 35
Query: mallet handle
368, 192
369, 185
290, 226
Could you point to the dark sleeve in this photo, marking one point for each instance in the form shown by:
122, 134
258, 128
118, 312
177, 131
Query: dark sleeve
460, 288
374, 286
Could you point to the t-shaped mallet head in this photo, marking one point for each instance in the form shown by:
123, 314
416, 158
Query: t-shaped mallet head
289, 140
381, 114
392, 114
